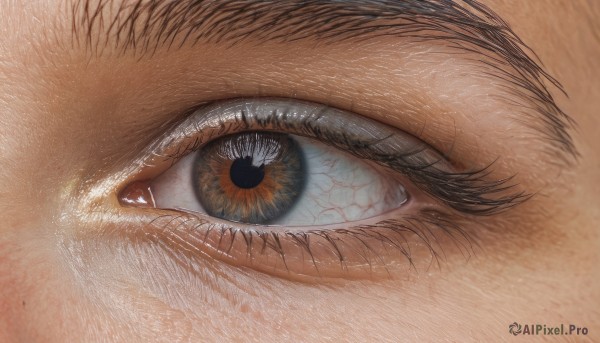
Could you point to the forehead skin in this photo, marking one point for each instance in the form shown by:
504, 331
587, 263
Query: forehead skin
555, 279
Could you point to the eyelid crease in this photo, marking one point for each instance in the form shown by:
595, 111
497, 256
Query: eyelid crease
147, 27
468, 191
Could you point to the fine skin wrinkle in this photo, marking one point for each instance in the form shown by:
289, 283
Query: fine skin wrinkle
460, 104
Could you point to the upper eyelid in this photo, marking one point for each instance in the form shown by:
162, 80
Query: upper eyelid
210, 120
146, 27
207, 122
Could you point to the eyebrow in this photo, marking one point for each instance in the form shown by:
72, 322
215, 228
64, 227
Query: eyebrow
145, 26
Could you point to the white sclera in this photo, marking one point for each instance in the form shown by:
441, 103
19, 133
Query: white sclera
339, 188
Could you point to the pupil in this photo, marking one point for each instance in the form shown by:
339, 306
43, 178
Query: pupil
244, 174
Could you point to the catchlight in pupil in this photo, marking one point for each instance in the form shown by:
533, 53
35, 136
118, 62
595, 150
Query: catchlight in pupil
250, 177
246, 175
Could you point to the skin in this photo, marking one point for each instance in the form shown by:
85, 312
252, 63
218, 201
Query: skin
69, 123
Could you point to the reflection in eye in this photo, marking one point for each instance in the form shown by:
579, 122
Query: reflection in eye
279, 179
292, 187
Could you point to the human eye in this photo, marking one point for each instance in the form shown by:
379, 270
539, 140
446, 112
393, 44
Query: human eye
300, 189
272, 178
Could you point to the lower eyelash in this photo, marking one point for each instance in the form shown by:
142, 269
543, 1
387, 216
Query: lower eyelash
361, 251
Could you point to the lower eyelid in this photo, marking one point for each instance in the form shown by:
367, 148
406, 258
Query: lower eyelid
389, 248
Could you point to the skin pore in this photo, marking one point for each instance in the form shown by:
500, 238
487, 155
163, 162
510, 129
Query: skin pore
77, 112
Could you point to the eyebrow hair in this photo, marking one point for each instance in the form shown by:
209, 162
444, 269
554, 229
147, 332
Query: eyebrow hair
144, 26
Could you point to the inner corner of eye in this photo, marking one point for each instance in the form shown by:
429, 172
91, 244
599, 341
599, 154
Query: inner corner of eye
272, 178
137, 194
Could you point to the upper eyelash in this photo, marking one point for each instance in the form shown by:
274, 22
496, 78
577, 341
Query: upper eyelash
469, 192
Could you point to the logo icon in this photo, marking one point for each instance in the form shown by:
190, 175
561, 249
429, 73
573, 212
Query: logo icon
514, 328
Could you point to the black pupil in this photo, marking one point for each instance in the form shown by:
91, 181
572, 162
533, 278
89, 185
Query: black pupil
244, 174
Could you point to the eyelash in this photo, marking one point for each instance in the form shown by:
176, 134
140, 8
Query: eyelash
186, 233
468, 193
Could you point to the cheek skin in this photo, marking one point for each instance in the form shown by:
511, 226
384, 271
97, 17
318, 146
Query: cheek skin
117, 289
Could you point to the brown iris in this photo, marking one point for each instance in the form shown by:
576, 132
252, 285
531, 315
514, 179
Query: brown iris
251, 177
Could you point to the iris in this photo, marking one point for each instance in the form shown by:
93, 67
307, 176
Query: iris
251, 177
